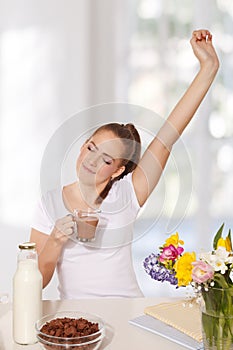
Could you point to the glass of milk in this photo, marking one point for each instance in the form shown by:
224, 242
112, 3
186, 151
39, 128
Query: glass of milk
86, 221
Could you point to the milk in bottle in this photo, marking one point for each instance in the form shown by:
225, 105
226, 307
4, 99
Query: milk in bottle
27, 295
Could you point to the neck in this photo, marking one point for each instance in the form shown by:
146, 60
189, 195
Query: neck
90, 193
80, 196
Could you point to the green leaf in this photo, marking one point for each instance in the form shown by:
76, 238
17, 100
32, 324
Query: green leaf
229, 236
221, 281
217, 236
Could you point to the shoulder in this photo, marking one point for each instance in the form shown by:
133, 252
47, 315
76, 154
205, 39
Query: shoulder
123, 191
48, 209
52, 198
124, 183
53, 203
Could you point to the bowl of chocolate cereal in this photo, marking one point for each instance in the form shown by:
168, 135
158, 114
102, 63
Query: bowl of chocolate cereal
73, 330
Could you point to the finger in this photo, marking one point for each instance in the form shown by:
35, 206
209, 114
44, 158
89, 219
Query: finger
202, 34
197, 34
68, 225
207, 35
66, 231
63, 225
67, 218
209, 38
69, 231
194, 42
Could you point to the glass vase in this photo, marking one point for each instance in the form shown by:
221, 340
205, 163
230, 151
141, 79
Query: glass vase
217, 319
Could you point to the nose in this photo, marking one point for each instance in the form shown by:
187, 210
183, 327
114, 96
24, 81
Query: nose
93, 159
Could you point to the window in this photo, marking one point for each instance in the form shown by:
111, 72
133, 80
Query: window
197, 190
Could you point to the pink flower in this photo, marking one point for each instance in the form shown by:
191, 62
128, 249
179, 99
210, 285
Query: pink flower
170, 253
202, 272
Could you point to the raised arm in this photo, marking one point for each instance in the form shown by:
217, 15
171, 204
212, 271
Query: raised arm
149, 169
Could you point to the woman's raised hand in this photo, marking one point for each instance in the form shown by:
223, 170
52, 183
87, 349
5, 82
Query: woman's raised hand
147, 173
203, 48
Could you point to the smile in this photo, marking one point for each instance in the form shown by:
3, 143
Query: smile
88, 170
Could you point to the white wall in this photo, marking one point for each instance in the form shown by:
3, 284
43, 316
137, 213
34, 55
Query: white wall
51, 66
44, 62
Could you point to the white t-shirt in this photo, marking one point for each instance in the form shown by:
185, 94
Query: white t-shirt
103, 268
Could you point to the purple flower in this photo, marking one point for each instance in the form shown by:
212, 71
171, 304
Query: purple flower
157, 272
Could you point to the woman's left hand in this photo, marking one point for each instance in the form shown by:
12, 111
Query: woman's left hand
203, 48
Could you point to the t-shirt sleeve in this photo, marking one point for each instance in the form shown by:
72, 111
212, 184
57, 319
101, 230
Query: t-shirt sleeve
41, 220
122, 198
134, 200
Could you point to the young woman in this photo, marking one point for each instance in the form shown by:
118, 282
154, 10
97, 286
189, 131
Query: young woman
112, 177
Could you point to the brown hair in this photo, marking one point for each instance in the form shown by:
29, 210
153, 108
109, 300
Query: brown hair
132, 142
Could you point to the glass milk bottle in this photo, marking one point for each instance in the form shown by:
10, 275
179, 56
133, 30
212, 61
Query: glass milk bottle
27, 295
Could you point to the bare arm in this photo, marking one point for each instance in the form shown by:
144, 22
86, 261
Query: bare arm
49, 247
149, 169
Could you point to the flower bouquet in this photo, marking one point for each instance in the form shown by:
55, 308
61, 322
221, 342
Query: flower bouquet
210, 274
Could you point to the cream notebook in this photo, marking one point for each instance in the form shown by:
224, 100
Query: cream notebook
174, 321
184, 318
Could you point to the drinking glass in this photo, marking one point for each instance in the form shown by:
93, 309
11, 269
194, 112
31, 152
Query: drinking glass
86, 221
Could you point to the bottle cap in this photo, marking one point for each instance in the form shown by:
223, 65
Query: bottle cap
27, 245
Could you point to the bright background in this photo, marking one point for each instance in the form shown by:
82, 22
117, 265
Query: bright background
60, 57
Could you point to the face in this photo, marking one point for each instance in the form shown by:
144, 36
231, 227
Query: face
100, 159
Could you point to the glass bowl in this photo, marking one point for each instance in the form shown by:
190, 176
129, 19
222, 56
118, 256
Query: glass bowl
81, 342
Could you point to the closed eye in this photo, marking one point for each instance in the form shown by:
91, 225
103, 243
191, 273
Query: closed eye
106, 158
91, 147
107, 161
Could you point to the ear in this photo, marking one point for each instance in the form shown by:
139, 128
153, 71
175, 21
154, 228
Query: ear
118, 172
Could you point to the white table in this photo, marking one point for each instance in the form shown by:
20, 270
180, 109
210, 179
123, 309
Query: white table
120, 334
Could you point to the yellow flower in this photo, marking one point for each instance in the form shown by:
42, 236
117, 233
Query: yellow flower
174, 240
226, 243
184, 267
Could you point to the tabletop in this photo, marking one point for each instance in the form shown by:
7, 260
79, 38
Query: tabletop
120, 334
